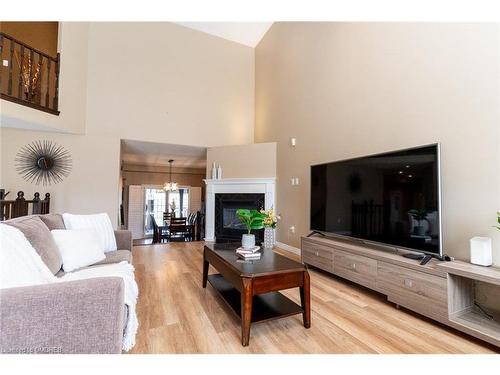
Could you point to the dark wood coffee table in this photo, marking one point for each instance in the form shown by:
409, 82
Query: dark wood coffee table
250, 288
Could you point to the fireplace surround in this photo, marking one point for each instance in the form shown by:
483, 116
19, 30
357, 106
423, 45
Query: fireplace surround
245, 193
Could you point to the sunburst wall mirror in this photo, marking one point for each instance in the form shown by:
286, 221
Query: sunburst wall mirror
43, 162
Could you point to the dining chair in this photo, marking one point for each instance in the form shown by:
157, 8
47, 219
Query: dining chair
179, 228
160, 232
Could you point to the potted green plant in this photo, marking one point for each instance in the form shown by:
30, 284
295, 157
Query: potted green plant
253, 220
419, 214
498, 220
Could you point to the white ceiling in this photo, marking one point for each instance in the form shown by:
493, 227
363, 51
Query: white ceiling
158, 154
247, 33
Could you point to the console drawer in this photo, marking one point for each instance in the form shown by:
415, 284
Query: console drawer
318, 256
359, 269
418, 291
317, 250
317, 261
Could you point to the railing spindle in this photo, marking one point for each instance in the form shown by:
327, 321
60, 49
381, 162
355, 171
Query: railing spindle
21, 68
9, 89
46, 204
10, 209
36, 208
39, 82
56, 94
30, 82
20, 205
47, 94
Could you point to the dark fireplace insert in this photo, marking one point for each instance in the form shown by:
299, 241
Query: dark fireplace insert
228, 227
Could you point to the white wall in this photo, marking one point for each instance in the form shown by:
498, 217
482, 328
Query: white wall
163, 82
144, 81
256, 160
351, 89
92, 185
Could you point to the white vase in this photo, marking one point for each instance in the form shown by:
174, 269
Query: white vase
214, 171
248, 241
269, 235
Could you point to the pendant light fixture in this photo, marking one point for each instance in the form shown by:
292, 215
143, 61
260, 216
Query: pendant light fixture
170, 186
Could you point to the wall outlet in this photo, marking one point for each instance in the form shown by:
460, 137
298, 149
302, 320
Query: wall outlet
293, 142
296, 180
292, 181
5, 62
292, 229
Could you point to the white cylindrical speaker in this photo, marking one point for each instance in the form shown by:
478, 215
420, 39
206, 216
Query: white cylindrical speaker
480, 251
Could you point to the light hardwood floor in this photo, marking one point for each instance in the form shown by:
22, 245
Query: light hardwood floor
176, 315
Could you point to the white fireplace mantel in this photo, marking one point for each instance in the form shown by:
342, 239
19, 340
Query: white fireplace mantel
265, 186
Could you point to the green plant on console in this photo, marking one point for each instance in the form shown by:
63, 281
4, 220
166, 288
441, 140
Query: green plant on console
498, 220
253, 219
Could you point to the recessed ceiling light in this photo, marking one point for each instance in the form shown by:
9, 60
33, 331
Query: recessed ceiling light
410, 175
407, 166
400, 172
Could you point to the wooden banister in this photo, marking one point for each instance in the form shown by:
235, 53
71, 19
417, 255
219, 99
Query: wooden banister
28, 87
10, 209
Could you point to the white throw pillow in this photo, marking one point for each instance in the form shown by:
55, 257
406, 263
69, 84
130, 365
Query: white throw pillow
78, 247
100, 223
20, 264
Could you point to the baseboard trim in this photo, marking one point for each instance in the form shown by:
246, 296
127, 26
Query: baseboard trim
289, 248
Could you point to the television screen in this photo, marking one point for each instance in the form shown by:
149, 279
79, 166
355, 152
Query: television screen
391, 198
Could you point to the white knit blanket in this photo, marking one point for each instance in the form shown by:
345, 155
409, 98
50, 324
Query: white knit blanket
20, 265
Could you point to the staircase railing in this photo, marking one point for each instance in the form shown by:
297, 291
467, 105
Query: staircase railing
21, 206
28, 76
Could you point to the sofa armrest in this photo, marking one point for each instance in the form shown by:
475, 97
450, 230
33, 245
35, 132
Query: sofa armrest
81, 316
123, 239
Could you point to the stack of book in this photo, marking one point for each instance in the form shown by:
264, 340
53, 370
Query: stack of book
248, 254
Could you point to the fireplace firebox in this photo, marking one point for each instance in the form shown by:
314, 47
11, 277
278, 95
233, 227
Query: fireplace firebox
228, 227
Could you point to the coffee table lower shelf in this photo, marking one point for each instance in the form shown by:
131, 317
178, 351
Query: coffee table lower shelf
266, 306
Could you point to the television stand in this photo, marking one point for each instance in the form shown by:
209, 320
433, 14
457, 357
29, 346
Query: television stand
442, 291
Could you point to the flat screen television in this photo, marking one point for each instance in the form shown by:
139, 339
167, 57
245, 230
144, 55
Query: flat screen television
391, 199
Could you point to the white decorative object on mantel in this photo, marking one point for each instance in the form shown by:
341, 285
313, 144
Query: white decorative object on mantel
219, 172
480, 251
266, 186
214, 171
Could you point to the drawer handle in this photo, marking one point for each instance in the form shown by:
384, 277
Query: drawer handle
317, 253
408, 283
353, 266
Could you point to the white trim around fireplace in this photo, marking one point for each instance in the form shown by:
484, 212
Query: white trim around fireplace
265, 186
